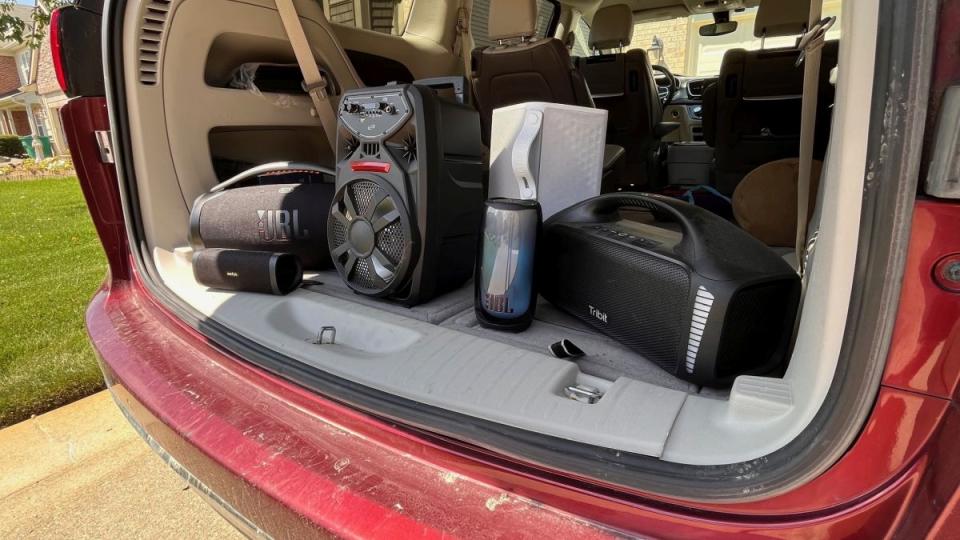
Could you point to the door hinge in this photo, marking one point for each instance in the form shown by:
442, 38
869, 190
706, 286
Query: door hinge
105, 145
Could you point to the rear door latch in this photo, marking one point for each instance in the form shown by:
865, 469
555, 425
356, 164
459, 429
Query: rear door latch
105, 145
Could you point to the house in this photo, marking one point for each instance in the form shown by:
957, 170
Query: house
30, 97
15, 60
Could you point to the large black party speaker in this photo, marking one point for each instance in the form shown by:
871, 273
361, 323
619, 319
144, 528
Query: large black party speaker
406, 213
684, 288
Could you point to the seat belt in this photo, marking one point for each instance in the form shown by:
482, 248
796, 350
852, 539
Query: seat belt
810, 45
314, 81
462, 41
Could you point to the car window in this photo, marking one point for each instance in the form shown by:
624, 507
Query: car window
481, 13
677, 45
581, 36
387, 16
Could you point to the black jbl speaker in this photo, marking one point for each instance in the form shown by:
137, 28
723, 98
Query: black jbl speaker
249, 271
288, 218
684, 288
406, 214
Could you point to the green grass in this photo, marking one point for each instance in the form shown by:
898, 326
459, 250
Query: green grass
51, 263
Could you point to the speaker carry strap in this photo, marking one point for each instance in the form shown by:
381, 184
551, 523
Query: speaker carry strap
314, 81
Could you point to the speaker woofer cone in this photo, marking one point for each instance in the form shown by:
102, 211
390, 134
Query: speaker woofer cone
372, 241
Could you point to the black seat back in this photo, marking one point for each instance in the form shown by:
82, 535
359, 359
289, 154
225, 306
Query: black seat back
623, 84
522, 68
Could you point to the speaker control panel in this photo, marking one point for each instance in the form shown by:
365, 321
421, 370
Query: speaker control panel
374, 115
644, 236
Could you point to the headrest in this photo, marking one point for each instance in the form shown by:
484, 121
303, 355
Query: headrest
511, 19
612, 27
781, 18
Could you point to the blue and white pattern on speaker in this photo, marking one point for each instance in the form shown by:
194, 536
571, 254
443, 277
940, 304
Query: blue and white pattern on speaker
701, 312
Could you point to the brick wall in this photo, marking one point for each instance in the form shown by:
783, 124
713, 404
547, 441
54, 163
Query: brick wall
674, 34
21, 122
9, 78
46, 75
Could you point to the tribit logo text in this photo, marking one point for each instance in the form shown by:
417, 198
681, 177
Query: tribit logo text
594, 312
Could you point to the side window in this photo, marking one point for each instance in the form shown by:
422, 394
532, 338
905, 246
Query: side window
581, 36
481, 14
386, 16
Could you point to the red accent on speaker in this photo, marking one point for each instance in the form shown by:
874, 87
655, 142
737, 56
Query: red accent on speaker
370, 166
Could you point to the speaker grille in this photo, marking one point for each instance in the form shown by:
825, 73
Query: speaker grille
370, 237
362, 274
754, 329
363, 192
391, 241
339, 233
592, 288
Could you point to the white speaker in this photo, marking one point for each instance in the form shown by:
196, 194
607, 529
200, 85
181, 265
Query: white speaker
546, 151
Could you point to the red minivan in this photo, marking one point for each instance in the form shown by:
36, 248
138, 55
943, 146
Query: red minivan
402, 421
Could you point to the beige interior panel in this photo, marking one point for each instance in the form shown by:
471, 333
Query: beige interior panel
203, 40
435, 21
263, 145
421, 55
163, 208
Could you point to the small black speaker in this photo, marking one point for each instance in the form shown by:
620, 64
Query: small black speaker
248, 271
686, 289
405, 217
289, 218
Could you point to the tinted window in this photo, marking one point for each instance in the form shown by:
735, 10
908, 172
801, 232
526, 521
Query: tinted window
581, 35
481, 13
387, 16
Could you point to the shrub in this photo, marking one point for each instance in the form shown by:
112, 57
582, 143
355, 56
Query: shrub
29, 168
10, 146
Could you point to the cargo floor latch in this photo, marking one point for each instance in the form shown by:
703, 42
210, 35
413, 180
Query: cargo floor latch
583, 393
326, 336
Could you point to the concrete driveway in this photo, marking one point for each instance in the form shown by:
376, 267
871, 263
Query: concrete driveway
82, 472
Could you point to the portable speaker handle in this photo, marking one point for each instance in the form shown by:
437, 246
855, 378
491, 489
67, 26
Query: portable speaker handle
276, 166
662, 208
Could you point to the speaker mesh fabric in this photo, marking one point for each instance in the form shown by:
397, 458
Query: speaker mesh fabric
753, 329
287, 218
650, 323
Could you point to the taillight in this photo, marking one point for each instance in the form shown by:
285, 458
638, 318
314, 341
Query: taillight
56, 49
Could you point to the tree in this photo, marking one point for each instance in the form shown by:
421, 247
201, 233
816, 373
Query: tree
30, 32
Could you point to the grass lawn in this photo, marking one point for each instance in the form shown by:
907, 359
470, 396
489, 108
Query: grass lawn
51, 263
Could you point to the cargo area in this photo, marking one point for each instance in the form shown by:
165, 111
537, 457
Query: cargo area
191, 129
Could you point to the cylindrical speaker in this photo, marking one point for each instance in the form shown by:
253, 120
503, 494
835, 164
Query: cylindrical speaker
248, 271
372, 241
288, 218
506, 292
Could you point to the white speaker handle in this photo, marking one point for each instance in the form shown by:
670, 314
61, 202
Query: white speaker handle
520, 159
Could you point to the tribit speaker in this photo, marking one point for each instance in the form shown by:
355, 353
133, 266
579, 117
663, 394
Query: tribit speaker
406, 214
682, 287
